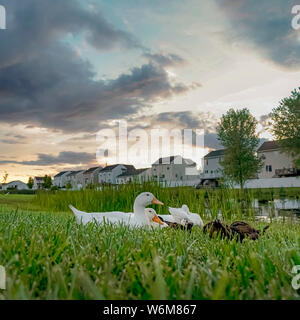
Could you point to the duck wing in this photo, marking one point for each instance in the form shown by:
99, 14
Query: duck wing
196, 219
178, 214
101, 217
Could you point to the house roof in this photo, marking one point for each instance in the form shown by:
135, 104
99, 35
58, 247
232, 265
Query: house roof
91, 170
142, 170
109, 168
73, 173
268, 145
60, 174
132, 172
13, 182
173, 160
215, 153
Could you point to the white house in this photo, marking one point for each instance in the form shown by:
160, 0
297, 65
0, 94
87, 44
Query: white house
90, 176
17, 185
136, 175
212, 169
76, 179
60, 180
175, 170
109, 174
276, 164
38, 183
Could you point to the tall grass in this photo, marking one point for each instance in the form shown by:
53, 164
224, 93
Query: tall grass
48, 256
121, 198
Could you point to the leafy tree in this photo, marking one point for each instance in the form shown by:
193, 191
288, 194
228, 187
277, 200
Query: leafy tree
47, 182
69, 185
286, 125
237, 133
30, 183
5, 177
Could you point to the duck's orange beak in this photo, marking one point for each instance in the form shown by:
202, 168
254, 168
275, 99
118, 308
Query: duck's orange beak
156, 219
155, 201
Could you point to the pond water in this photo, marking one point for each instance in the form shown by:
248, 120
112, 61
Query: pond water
279, 209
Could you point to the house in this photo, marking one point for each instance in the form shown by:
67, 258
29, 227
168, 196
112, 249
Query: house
38, 183
90, 176
60, 180
175, 170
109, 174
136, 175
17, 185
212, 168
76, 179
277, 164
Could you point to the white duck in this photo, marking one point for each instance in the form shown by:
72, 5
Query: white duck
194, 217
154, 220
136, 219
178, 215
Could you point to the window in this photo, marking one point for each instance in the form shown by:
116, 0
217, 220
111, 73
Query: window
269, 168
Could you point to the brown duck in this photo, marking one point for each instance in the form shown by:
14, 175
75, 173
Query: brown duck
238, 229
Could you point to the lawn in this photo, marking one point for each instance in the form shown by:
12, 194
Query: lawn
48, 256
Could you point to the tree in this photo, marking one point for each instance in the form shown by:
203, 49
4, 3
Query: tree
69, 185
237, 133
47, 182
5, 177
286, 125
30, 183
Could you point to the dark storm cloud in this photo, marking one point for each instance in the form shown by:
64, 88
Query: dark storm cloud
267, 26
33, 24
43, 81
66, 157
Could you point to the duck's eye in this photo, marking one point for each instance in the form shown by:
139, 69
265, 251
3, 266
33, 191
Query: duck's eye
148, 194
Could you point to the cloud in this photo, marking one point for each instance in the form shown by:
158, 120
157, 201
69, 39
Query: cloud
44, 83
265, 25
65, 157
10, 141
33, 24
165, 60
179, 120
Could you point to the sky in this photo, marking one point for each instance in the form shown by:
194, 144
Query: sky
69, 68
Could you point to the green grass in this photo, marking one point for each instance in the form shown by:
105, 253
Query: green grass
48, 256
